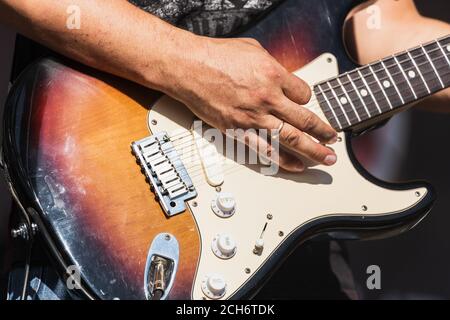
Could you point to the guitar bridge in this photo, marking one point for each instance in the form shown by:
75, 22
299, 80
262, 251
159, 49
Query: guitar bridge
165, 172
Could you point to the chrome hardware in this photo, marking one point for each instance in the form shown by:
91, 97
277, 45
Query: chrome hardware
165, 172
159, 282
23, 232
161, 266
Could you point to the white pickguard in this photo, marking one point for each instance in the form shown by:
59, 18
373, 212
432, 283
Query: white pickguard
292, 199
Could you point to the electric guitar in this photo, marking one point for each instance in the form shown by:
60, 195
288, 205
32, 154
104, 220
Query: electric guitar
98, 167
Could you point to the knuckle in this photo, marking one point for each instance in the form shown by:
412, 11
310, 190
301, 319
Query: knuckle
245, 117
317, 154
272, 71
292, 138
309, 121
264, 96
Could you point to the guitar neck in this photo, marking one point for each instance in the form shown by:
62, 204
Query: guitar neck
382, 87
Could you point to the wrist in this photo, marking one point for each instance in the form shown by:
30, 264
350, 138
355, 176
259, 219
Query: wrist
172, 60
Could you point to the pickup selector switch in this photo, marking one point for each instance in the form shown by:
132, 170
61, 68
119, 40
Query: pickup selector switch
214, 286
224, 205
224, 246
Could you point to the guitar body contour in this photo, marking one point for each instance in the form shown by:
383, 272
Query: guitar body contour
68, 131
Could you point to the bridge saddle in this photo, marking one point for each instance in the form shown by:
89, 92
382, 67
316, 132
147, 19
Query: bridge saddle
165, 172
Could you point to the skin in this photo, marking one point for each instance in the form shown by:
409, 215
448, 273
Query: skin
233, 83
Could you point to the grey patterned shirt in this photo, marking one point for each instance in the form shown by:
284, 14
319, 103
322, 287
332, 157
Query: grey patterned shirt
207, 17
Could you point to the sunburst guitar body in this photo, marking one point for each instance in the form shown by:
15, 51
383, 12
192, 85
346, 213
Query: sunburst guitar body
78, 148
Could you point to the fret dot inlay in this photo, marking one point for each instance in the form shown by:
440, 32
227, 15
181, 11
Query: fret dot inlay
386, 84
448, 48
343, 100
364, 92
411, 74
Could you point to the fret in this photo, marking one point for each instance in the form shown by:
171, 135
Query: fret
412, 73
361, 92
381, 87
426, 69
420, 73
349, 88
339, 109
432, 65
369, 90
392, 82
400, 81
346, 103
440, 62
387, 84
406, 77
330, 114
376, 89
325, 108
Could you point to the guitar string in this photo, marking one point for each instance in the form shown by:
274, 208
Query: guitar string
381, 79
384, 60
401, 85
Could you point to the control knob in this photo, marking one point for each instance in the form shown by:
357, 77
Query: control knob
224, 205
224, 246
214, 286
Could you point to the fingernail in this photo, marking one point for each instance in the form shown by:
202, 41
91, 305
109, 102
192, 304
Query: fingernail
333, 140
330, 159
299, 167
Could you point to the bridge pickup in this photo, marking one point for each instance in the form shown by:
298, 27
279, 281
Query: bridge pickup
165, 171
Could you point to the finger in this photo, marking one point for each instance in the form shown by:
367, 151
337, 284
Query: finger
269, 153
296, 89
305, 120
298, 142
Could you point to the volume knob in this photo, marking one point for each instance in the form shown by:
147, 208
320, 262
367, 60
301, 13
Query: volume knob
224, 205
214, 286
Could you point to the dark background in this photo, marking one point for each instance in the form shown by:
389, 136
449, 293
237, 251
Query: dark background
415, 264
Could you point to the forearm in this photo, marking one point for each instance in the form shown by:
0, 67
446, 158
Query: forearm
114, 36
401, 27
215, 78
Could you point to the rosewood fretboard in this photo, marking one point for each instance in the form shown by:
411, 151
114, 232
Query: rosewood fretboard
383, 86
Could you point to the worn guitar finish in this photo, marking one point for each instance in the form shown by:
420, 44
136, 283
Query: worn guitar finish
68, 131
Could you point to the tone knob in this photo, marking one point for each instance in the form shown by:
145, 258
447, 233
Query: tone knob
224, 205
224, 246
214, 286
